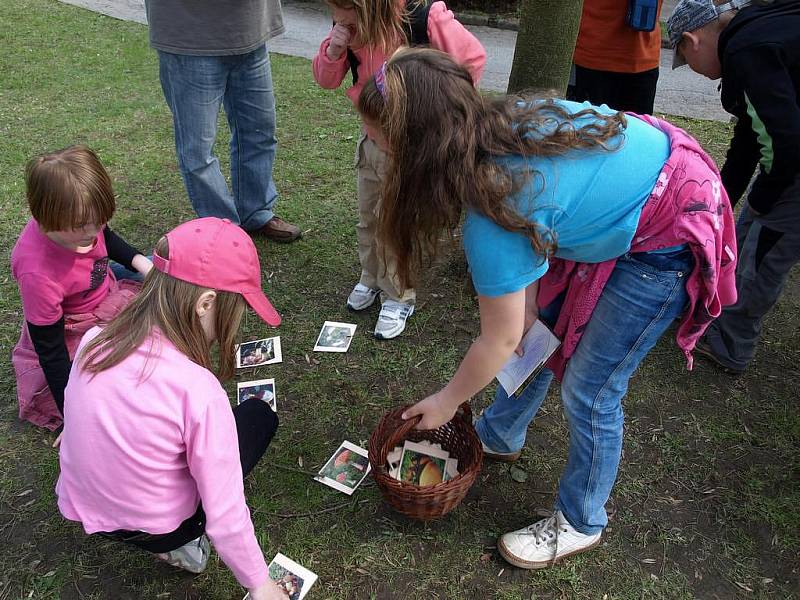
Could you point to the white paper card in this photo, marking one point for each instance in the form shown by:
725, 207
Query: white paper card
537, 346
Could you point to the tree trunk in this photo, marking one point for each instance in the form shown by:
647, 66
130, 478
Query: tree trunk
545, 43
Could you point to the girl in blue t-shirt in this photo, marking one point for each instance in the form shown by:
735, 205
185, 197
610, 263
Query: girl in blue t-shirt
548, 185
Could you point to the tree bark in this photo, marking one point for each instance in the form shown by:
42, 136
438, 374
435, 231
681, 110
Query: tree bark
545, 43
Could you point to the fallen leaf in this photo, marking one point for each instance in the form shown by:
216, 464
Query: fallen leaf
25, 493
518, 474
743, 586
486, 557
300, 461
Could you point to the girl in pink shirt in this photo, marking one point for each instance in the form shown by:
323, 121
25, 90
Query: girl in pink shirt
364, 35
66, 283
142, 395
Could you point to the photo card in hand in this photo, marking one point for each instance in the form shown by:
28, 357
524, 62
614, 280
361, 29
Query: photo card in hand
292, 578
346, 469
335, 337
258, 353
538, 346
263, 389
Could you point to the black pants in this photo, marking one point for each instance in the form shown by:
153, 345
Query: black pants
255, 425
634, 92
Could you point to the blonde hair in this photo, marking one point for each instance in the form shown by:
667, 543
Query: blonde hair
68, 189
168, 304
381, 23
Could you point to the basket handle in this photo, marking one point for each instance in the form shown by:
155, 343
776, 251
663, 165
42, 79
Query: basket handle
409, 424
466, 412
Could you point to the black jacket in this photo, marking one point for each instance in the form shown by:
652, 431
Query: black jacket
760, 55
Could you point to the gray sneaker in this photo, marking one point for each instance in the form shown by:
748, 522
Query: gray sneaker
361, 297
192, 557
392, 320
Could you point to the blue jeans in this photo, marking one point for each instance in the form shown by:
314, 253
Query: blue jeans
645, 293
195, 87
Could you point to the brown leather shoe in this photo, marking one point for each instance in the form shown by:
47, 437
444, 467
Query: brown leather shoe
278, 230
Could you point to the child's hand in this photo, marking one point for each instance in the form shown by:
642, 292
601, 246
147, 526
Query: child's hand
268, 591
435, 411
340, 37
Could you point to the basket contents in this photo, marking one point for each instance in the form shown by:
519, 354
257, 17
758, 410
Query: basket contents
424, 474
421, 463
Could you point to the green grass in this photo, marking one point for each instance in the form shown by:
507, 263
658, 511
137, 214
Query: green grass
707, 497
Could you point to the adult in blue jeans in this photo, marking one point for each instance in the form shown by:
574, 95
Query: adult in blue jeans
212, 53
614, 225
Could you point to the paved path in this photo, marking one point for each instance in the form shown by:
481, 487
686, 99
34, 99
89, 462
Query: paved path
680, 92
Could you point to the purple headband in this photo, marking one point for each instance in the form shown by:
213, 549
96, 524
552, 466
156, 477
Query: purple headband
380, 80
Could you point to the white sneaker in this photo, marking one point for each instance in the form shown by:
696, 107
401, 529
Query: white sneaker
392, 320
544, 543
361, 297
192, 557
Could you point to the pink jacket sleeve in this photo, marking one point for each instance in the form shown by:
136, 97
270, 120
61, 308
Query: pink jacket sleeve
329, 74
448, 35
212, 453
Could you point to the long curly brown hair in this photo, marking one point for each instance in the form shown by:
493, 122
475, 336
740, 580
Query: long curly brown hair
444, 140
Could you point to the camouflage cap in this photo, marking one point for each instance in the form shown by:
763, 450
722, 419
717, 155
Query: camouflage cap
690, 15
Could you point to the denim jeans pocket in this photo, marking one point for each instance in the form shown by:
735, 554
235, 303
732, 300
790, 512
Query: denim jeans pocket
664, 268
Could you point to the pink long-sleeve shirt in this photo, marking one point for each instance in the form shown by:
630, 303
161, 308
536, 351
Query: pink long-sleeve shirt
145, 442
444, 32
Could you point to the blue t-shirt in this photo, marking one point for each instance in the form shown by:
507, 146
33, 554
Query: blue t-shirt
590, 200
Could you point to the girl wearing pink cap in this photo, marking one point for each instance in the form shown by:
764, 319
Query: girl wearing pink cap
145, 396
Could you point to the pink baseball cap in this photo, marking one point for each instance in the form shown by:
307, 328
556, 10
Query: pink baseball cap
217, 254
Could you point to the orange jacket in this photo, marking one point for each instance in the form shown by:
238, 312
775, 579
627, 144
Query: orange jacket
607, 43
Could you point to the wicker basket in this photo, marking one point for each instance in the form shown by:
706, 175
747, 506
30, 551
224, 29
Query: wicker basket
457, 436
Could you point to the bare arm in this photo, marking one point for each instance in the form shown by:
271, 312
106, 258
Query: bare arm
503, 319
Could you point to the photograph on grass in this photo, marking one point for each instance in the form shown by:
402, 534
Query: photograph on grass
259, 352
262, 389
346, 469
335, 337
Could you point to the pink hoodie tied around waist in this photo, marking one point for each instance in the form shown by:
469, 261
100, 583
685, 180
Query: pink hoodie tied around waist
687, 206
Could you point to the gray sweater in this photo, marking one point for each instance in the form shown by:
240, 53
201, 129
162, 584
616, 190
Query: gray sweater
212, 27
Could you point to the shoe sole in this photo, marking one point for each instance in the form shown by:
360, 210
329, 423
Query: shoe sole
507, 458
707, 353
512, 559
380, 336
283, 240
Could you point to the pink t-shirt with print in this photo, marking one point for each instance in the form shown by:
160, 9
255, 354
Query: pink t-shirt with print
54, 281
